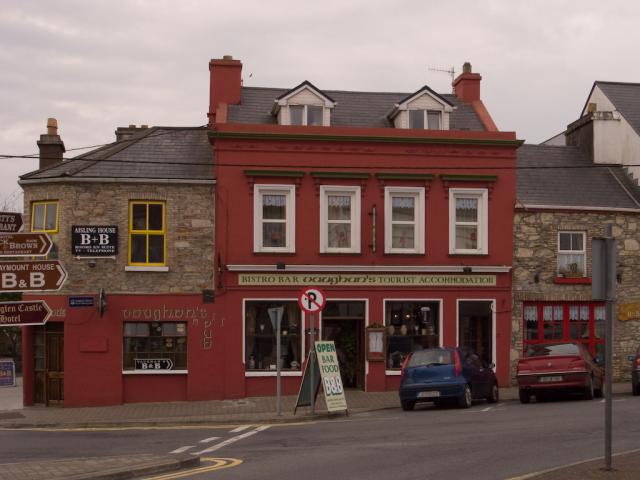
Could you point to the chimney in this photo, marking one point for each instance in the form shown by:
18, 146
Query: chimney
50, 145
124, 133
467, 85
225, 84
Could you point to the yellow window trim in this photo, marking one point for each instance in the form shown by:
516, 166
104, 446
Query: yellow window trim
45, 203
147, 232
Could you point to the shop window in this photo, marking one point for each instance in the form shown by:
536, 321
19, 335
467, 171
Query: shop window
404, 220
411, 325
147, 233
339, 219
531, 322
260, 336
274, 218
44, 217
571, 254
155, 340
468, 221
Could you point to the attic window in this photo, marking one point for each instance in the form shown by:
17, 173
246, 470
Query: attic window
305, 115
431, 118
303, 105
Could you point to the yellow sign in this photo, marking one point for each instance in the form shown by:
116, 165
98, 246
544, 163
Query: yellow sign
366, 280
629, 311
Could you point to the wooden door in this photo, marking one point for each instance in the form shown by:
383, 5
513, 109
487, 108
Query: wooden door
49, 365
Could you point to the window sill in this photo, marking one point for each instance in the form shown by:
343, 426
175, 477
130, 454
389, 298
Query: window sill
393, 373
270, 253
155, 372
142, 268
469, 254
341, 254
573, 280
272, 373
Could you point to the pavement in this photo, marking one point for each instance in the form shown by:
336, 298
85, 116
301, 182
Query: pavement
241, 411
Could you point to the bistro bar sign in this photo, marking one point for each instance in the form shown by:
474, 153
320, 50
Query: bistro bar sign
367, 280
94, 240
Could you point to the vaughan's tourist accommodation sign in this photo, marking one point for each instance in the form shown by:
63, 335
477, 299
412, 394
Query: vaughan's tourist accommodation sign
366, 280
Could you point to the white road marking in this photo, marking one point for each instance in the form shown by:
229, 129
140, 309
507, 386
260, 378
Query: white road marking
486, 409
231, 440
182, 449
240, 428
210, 439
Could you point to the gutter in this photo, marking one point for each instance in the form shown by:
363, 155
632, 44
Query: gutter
582, 209
117, 180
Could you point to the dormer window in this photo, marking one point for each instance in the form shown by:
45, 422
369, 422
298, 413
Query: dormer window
303, 105
423, 110
431, 118
306, 115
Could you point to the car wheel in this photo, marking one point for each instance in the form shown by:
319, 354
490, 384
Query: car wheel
525, 397
588, 392
407, 405
495, 394
635, 389
466, 399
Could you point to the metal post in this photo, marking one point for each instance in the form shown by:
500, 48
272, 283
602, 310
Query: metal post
278, 365
610, 269
312, 359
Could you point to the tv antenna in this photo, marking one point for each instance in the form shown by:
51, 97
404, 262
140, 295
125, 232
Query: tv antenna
451, 71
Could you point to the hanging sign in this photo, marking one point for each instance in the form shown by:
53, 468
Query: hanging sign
94, 240
10, 222
331, 379
17, 314
31, 276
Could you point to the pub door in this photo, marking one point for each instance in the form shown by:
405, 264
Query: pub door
475, 327
49, 364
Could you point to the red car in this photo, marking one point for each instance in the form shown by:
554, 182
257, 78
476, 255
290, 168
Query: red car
561, 367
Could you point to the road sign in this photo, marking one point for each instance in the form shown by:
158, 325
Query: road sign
331, 379
19, 244
153, 364
31, 276
13, 314
312, 299
82, 301
10, 222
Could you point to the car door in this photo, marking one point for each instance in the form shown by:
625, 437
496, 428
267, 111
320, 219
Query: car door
477, 375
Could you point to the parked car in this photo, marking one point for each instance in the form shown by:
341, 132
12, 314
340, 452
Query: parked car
446, 374
560, 367
635, 373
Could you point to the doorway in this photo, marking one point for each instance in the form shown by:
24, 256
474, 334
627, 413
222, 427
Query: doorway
48, 351
476, 327
343, 323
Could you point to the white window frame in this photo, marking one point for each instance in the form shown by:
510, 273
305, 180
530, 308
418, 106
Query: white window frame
482, 194
418, 194
425, 117
290, 217
354, 193
582, 252
305, 113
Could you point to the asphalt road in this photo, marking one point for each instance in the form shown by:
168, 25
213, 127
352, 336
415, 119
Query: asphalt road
484, 442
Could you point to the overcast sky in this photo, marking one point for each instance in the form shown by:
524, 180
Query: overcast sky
95, 65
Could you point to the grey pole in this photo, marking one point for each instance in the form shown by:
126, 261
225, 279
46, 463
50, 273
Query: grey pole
312, 359
278, 365
610, 285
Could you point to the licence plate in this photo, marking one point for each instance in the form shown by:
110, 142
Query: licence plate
555, 378
431, 394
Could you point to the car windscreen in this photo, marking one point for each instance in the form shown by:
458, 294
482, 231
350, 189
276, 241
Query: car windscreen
550, 350
424, 358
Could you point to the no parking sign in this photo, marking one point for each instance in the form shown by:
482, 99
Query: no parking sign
312, 300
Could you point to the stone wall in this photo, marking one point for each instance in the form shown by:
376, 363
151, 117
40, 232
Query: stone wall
189, 240
535, 264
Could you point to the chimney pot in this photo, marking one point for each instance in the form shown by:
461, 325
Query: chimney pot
227, 57
466, 67
52, 126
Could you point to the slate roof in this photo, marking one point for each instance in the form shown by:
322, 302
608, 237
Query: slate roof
572, 180
353, 109
626, 98
153, 153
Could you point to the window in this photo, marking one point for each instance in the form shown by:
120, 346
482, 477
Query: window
339, 219
411, 325
431, 118
306, 115
44, 217
260, 335
147, 233
468, 221
274, 218
154, 341
404, 220
571, 254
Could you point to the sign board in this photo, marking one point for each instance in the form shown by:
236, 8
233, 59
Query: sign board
94, 240
331, 380
31, 276
366, 280
312, 299
14, 314
7, 372
304, 394
20, 244
81, 301
10, 222
629, 311
153, 364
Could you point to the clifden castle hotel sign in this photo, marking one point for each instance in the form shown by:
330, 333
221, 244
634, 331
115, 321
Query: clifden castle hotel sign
366, 280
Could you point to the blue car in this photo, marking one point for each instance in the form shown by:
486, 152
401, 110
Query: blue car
440, 375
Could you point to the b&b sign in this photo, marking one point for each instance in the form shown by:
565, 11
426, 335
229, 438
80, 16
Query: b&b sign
94, 240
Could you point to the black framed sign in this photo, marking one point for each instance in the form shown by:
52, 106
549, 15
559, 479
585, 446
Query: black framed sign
94, 240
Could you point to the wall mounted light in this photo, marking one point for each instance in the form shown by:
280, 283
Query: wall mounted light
467, 270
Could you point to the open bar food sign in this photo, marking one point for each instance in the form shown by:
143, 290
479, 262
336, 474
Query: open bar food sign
331, 379
94, 240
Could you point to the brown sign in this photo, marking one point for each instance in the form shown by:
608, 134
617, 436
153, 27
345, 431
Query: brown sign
629, 311
10, 222
18, 244
31, 276
24, 313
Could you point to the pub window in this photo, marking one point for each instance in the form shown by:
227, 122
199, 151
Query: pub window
468, 221
147, 233
260, 336
153, 341
411, 325
44, 217
404, 220
274, 218
339, 219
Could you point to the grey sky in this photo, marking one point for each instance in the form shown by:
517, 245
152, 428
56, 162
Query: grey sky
96, 65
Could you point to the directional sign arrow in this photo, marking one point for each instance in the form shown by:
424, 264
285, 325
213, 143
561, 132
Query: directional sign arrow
14, 314
10, 222
19, 244
31, 276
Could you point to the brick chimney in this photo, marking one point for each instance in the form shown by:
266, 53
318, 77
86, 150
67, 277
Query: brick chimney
225, 84
467, 85
124, 133
50, 145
